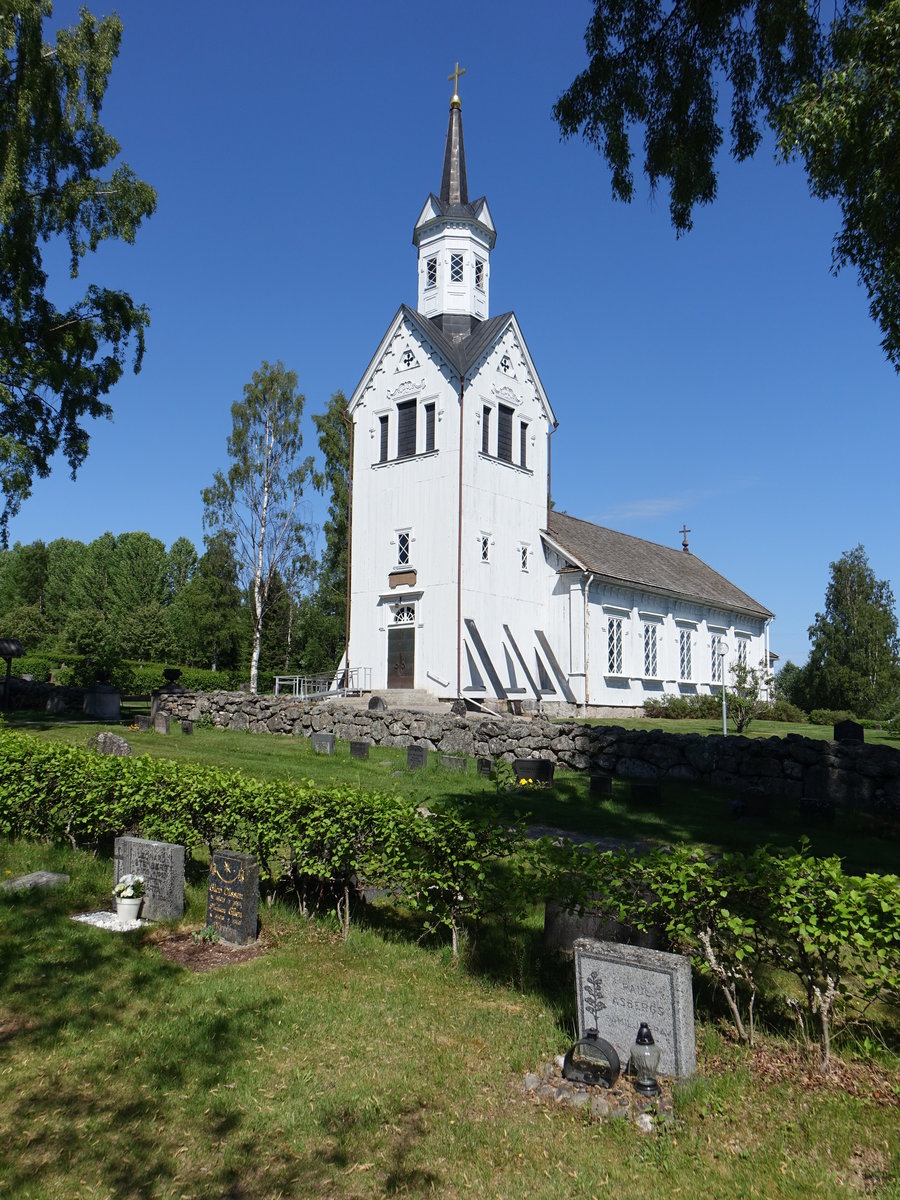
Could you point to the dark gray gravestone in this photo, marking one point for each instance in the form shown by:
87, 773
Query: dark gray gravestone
377, 704
233, 900
601, 785
618, 987
416, 757
104, 703
143, 722
187, 727
538, 769
647, 795
454, 762
162, 866
849, 731
161, 723
323, 743
359, 749
484, 766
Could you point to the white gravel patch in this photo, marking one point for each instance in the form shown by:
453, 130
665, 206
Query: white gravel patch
108, 920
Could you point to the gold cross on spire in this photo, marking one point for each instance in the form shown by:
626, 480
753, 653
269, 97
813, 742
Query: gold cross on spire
454, 99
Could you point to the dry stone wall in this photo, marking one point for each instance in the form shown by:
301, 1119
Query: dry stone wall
795, 768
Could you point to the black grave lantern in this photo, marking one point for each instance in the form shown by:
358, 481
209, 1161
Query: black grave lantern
645, 1062
592, 1061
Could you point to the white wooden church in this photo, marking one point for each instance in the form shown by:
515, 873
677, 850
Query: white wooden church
463, 580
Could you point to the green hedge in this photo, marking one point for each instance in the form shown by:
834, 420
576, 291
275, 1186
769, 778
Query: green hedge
135, 678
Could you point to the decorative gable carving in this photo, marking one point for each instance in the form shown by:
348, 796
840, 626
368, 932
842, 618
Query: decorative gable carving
406, 390
506, 395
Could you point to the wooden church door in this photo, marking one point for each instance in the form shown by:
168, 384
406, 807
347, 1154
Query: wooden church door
402, 649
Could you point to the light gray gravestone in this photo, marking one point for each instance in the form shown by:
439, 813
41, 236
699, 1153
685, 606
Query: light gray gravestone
162, 866
37, 879
323, 743
161, 723
617, 987
143, 722
454, 762
233, 900
110, 743
359, 749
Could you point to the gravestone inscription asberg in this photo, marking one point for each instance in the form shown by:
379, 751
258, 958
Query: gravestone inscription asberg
618, 987
162, 866
233, 899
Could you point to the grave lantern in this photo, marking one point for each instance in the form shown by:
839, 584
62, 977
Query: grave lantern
592, 1061
645, 1062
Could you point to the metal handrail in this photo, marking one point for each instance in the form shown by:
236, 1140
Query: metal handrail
313, 687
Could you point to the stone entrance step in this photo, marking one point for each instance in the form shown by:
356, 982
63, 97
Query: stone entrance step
407, 699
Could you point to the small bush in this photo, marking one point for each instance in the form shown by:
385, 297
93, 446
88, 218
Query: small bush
681, 708
829, 716
783, 710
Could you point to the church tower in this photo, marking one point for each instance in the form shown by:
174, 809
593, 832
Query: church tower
454, 238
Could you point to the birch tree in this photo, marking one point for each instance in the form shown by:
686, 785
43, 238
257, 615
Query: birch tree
257, 501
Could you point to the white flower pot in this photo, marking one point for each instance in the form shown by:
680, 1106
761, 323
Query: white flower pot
127, 909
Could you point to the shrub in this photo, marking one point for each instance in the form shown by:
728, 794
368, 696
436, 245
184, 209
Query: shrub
783, 710
829, 716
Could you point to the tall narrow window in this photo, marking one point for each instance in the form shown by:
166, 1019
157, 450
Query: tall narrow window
383, 449
479, 273
651, 663
742, 652
523, 551
431, 272
523, 444
485, 430
456, 268
429, 427
715, 658
485, 547
504, 432
406, 429
403, 548
685, 666
614, 656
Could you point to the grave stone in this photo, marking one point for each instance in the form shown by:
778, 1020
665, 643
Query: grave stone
187, 727
454, 762
109, 743
377, 704
538, 769
143, 722
601, 785
162, 866
646, 795
323, 743
416, 757
359, 750
484, 766
233, 899
617, 987
36, 879
161, 722
849, 731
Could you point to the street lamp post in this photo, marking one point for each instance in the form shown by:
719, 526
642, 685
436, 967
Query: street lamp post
722, 651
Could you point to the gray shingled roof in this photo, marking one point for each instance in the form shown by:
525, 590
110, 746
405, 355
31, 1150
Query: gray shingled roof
621, 558
461, 352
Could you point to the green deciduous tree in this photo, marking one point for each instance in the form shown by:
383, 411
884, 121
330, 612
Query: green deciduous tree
854, 662
324, 615
57, 364
258, 501
745, 694
825, 84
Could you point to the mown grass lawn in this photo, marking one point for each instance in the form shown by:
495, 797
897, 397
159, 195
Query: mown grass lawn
357, 1070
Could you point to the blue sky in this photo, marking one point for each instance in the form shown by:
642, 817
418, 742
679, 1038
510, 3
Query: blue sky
725, 379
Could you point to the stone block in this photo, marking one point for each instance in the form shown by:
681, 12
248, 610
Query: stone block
162, 866
453, 762
161, 723
359, 750
617, 987
538, 769
416, 757
323, 743
232, 904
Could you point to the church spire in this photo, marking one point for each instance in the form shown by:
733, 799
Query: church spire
454, 237
454, 188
